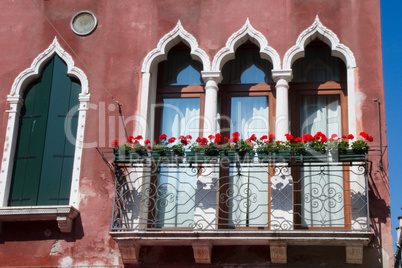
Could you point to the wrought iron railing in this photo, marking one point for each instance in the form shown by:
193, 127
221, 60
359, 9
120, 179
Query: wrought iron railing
154, 194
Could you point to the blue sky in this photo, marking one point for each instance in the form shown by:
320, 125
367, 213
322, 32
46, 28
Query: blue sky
392, 60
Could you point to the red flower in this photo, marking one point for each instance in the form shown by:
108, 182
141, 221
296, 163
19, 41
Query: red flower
204, 141
370, 138
130, 139
271, 136
226, 138
307, 137
172, 139
189, 137
253, 137
344, 136
162, 137
211, 137
350, 137
235, 139
298, 139
289, 137
247, 140
149, 147
181, 137
236, 134
218, 140
184, 141
324, 139
364, 134
139, 137
147, 142
198, 140
263, 137
218, 136
115, 143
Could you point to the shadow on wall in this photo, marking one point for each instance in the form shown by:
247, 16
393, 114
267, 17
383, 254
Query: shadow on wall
39, 230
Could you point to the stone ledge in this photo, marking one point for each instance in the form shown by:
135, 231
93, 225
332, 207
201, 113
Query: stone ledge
64, 215
277, 241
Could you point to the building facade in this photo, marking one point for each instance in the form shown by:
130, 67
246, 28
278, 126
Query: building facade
78, 75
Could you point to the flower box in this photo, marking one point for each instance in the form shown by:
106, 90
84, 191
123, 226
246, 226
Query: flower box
312, 156
166, 157
277, 156
349, 155
233, 156
201, 157
129, 157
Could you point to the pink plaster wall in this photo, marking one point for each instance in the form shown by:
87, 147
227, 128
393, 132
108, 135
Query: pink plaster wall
112, 57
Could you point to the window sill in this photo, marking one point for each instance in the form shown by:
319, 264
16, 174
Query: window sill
64, 215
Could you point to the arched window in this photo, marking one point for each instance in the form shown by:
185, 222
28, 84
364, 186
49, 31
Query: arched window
44, 157
319, 104
246, 106
179, 109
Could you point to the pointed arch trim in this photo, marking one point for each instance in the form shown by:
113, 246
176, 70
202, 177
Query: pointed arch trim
168, 41
247, 32
318, 30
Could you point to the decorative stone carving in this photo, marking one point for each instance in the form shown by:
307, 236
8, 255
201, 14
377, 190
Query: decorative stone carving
202, 252
317, 30
354, 253
129, 250
247, 32
278, 252
168, 41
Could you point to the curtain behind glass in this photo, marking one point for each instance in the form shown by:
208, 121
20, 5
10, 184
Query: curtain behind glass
249, 199
317, 65
176, 190
322, 188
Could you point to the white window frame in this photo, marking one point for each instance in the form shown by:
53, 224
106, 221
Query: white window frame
63, 214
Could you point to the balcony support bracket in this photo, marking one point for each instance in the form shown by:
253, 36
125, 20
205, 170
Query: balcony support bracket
354, 253
278, 251
202, 251
130, 251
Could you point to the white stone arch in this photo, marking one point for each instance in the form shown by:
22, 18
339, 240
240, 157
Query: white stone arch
16, 102
149, 73
317, 30
247, 32
170, 40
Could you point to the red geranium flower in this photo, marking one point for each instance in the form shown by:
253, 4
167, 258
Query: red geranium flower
189, 137
364, 134
298, 139
350, 137
370, 138
115, 143
289, 137
172, 139
211, 137
271, 136
162, 137
253, 137
147, 142
130, 139
218, 136
236, 134
139, 137
264, 137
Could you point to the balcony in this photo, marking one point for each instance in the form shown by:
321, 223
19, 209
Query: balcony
277, 201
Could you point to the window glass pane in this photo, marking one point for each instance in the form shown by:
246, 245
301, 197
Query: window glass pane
176, 189
180, 69
322, 186
247, 68
248, 199
249, 115
317, 65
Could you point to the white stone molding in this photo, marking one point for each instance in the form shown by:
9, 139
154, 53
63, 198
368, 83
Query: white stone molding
15, 100
247, 32
317, 30
170, 40
63, 214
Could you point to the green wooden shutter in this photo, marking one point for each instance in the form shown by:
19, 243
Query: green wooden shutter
30, 141
53, 167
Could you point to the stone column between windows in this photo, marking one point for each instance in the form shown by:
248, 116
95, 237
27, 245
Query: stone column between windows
282, 79
206, 201
281, 182
211, 80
